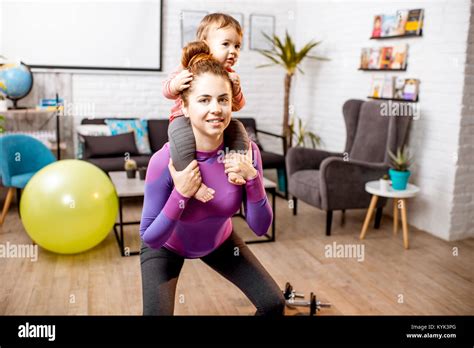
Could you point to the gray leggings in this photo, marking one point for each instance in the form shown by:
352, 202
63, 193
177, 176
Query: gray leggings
161, 268
183, 143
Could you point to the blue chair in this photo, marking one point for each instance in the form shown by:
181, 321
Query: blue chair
21, 156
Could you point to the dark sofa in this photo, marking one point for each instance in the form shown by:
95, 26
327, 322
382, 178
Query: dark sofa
157, 134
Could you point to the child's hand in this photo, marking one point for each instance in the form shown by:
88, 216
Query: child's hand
181, 81
235, 82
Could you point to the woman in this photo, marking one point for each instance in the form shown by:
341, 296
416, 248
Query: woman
175, 227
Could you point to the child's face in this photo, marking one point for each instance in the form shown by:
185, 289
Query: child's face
224, 44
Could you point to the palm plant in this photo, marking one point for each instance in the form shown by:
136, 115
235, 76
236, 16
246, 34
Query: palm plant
300, 134
283, 52
2, 124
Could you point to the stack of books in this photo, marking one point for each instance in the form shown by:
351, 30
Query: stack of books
50, 104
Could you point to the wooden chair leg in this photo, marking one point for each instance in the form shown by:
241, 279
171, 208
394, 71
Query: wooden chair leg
295, 205
328, 222
6, 206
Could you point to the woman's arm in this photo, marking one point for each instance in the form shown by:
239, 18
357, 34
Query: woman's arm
258, 212
163, 204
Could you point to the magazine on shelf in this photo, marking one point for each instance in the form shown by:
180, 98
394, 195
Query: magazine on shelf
410, 89
388, 25
398, 88
400, 22
377, 29
364, 58
399, 56
386, 57
377, 86
414, 23
388, 86
374, 60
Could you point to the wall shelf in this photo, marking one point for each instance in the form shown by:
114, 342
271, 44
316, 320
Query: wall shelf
404, 69
397, 100
397, 36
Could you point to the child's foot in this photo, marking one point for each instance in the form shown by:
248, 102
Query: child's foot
204, 194
236, 179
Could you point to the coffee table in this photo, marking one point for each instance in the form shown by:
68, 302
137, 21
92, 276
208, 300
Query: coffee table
125, 188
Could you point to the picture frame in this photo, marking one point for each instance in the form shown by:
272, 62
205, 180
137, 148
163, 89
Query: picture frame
189, 23
261, 24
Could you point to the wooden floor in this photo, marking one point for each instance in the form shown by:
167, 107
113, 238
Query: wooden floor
427, 279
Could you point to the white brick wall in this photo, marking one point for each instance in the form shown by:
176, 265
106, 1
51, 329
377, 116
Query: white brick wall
437, 59
462, 213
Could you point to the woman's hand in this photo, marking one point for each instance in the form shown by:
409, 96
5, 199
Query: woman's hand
240, 164
187, 181
181, 81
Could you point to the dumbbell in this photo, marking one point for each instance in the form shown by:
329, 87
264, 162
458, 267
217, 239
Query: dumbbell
313, 304
289, 293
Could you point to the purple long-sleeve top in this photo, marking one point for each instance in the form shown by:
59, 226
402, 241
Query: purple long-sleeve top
189, 227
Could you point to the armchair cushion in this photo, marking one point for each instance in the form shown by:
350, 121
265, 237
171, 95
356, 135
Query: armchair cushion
305, 184
300, 158
343, 183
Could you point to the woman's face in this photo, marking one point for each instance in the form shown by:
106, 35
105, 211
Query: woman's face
209, 105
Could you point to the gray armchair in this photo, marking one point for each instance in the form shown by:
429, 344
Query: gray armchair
336, 181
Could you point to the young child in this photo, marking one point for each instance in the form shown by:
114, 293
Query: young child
223, 34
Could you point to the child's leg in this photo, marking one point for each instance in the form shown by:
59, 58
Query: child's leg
182, 142
236, 139
183, 150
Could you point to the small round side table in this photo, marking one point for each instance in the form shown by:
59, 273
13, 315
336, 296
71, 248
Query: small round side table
399, 198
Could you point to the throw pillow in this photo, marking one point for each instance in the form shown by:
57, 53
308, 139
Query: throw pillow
114, 145
139, 127
89, 130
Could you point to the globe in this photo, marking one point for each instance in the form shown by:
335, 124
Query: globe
16, 81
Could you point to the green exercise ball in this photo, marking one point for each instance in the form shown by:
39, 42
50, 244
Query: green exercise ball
69, 206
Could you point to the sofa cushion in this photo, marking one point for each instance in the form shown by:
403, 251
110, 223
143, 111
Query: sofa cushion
106, 146
88, 130
305, 184
111, 164
139, 127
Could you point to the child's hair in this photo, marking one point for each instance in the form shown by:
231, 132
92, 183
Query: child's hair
220, 20
197, 58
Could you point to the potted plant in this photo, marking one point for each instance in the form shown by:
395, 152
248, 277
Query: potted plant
283, 52
301, 134
399, 172
142, 173
131, 168
384, 183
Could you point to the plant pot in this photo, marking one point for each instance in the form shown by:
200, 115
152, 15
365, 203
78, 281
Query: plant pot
131, 173
142, 173
399, 179
384, 185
